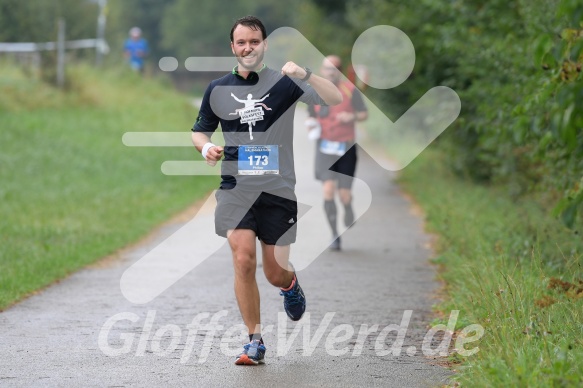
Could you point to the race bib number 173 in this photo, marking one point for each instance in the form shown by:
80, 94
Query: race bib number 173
258, 159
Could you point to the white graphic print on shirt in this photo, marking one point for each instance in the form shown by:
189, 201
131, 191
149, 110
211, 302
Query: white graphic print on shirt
252, 112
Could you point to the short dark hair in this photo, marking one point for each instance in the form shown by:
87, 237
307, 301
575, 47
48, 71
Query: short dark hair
251, 22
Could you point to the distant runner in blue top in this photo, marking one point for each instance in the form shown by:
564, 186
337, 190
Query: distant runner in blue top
136, 49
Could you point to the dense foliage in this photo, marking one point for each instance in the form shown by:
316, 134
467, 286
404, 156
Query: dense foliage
516, 66
36, 20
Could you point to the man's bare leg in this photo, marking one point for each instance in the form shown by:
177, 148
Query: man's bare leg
280, 273
329, 190
276, 265
242, 242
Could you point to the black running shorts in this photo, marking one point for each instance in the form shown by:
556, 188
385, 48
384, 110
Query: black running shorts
328, 165
272, 216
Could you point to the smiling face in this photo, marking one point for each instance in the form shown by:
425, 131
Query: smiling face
249, 47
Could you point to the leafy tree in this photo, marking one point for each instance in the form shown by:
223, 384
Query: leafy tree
202, 28
36, 20
516, 65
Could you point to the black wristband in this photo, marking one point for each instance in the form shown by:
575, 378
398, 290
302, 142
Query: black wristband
308, 74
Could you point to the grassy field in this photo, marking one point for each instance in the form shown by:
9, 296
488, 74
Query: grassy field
70, 191
513, 269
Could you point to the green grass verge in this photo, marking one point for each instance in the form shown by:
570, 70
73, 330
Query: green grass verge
511, 268
70, 191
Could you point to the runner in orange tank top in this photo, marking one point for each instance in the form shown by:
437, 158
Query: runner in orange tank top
335, 152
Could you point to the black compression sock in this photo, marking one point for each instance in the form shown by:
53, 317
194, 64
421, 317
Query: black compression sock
330, 207
348, 214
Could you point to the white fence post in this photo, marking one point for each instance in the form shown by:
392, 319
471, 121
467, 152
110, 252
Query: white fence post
99, 49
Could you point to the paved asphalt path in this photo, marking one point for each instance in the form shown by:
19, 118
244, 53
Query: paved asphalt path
82, 331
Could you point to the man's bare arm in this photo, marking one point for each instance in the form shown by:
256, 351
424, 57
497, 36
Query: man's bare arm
325, 89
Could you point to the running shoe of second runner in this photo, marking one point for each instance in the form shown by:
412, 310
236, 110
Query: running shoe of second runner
335, 246
253, 354
294, 301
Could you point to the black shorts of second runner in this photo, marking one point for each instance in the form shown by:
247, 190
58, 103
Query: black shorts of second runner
272, 216
328, 165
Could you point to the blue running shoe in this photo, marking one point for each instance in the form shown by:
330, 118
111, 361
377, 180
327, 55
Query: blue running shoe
253, 354
294, 301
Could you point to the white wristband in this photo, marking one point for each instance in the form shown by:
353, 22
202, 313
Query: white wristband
205, 149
